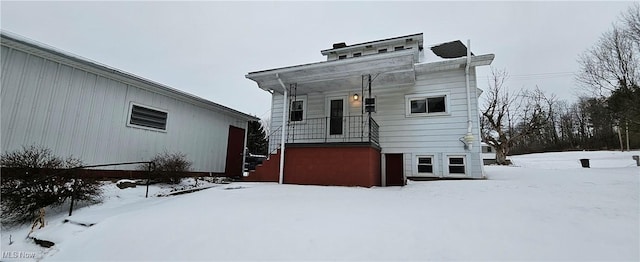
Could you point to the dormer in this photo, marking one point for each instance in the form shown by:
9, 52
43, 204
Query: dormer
343, 51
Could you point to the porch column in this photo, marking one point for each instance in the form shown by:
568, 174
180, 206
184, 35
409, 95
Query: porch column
285, 108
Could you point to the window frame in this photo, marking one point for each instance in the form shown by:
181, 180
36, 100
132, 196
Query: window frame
464, 164
425, 97
304, 110
418, 165
130, 113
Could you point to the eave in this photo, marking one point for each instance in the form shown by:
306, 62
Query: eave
394, 68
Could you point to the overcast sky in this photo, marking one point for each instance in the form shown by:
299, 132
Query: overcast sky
206, 48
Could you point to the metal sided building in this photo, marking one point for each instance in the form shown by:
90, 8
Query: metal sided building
100, 114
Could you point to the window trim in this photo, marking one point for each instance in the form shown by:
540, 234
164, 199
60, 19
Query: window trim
433, 169
128, 120
414, 97
304, 110
464, 164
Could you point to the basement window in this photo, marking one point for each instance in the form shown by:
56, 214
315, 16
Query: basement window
147, 117
425, 165
456, 165
418, 105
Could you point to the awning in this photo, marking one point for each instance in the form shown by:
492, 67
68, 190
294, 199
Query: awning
390, 69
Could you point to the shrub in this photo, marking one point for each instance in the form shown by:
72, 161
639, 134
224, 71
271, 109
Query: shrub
169, 167
41, 179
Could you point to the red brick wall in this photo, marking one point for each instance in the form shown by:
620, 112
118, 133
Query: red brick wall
332, 166
268, 171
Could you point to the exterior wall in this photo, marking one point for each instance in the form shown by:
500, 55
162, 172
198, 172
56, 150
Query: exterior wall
84, 113
332, 166
435, 136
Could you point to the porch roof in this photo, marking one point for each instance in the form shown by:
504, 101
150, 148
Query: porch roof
393, 68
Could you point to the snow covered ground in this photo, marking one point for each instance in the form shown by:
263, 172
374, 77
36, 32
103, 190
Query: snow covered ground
545, 207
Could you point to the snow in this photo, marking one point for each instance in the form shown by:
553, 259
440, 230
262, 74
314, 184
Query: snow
544, 207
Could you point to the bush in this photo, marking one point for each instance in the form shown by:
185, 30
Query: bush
41, 179
169, 167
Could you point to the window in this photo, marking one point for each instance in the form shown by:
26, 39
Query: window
426, 104
456, 165
425, 164
382, 50
147, 117
398, 48
342, 56
297, 110
435, 104
357, 54
418, 106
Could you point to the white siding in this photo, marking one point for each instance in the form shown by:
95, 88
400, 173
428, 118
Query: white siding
429, 135
437, 136
76, 112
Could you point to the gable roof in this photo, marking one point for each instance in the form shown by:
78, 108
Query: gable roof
24, 44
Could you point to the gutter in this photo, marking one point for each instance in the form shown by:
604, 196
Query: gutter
468, 138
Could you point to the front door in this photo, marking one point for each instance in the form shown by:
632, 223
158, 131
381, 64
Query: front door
336, 115
235, 152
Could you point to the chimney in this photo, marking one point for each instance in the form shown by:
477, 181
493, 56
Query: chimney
339, 45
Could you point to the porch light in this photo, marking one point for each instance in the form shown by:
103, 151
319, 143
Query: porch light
355, 97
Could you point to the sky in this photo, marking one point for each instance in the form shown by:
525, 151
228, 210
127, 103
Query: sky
207, 48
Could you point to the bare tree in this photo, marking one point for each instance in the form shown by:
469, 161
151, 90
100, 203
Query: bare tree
611, 71
613, 62
497, 116
631, 20
507, 119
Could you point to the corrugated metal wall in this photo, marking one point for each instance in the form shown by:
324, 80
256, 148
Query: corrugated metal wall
76, 112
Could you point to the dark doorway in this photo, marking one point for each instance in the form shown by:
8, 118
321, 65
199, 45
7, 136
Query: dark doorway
394, 170
235, 152
336, 114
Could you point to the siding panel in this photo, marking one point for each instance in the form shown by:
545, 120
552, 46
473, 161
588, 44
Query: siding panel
82, 113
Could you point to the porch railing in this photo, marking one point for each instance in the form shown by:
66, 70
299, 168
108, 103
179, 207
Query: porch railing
328, 130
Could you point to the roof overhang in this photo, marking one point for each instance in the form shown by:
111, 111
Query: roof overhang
480, 60
389, 69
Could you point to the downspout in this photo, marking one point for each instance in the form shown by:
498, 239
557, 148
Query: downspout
284, 130
468, 138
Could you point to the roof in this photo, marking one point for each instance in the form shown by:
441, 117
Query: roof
393, 67
15, 41
453, 49
339, 46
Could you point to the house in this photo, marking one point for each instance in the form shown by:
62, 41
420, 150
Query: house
488, 154
103, 115
375, 114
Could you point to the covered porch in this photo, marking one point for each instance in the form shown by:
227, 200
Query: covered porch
321, 133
